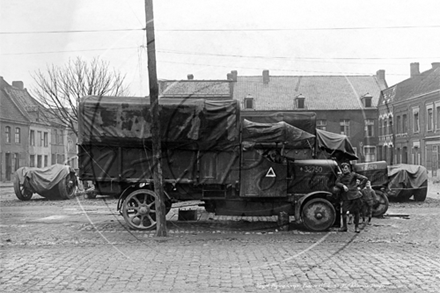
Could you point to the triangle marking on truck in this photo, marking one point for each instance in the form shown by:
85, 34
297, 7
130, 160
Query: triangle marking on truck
271, 173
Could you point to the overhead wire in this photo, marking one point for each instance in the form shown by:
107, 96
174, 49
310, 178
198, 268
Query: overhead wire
226, 29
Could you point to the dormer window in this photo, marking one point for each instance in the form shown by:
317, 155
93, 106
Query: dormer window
300, 102
367, 101
248, 102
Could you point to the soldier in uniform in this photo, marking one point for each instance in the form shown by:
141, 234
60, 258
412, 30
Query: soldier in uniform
351, 197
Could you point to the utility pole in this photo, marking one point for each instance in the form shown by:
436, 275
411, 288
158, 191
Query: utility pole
161, 227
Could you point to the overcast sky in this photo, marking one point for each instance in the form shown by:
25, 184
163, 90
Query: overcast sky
209, 38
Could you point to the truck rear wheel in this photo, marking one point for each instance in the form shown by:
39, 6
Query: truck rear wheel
139, 210
382, 206
318, 215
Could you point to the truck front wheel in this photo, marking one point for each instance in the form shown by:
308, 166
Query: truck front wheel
139, 210
318, 215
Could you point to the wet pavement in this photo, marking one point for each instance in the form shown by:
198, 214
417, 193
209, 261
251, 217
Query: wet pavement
83, 245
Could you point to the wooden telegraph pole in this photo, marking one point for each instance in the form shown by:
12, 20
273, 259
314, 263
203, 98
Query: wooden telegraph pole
161, 228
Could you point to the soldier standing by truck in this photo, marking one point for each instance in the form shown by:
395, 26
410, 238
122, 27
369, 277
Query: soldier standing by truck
350, 195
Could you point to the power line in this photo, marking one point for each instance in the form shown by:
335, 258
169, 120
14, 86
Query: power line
227, 30
225, 55
70, 31
291, 57
302, 29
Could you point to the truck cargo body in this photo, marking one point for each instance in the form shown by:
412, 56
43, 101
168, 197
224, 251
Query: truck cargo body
238, 165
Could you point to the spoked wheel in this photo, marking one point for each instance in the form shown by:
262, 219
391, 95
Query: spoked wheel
20, 191
139, 209
381, 208
67, 187
318, 214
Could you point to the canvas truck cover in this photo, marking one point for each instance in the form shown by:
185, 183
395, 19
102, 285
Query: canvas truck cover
407, 176
302, 120
279, 132
185, 123
335, 144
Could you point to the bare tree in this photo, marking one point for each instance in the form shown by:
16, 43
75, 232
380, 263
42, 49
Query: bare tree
60, 88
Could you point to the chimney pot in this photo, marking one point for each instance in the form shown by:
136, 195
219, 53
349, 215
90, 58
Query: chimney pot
18, 84
415, 71
190, 76
266, 76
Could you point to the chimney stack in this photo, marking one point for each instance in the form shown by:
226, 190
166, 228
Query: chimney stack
18, 84
190, 76
435, 64
381, 75
234, 75
415, 71
266, 77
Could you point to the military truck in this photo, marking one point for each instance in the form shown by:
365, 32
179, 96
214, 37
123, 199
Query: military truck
211, 151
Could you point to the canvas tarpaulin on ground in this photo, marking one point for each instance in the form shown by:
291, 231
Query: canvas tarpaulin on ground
185, 123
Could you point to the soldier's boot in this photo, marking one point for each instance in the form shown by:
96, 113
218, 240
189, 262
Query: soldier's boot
356, 229
344, 224
369, 220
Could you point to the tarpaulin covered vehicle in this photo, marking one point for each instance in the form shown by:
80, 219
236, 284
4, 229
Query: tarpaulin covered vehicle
53, 182
406, 180
259, 167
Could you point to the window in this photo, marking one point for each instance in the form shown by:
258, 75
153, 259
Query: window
345, 127
32, 161
300, 102
39, 162
61, 138
385, 126
8, 134
438, 117
416, 125
398, 125
54, 159
404, 124
249, 103
367, 101
321, 124
404, 155
32, 138
45, 160
17, 135
430, 119
17, 161
46, 139
369, 128
55, 137
370, 153
398, 156
390, 125
39, 138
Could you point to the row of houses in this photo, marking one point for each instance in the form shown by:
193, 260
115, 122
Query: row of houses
30, 135
398, 124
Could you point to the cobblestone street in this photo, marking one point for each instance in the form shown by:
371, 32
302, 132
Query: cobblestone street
84, 246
